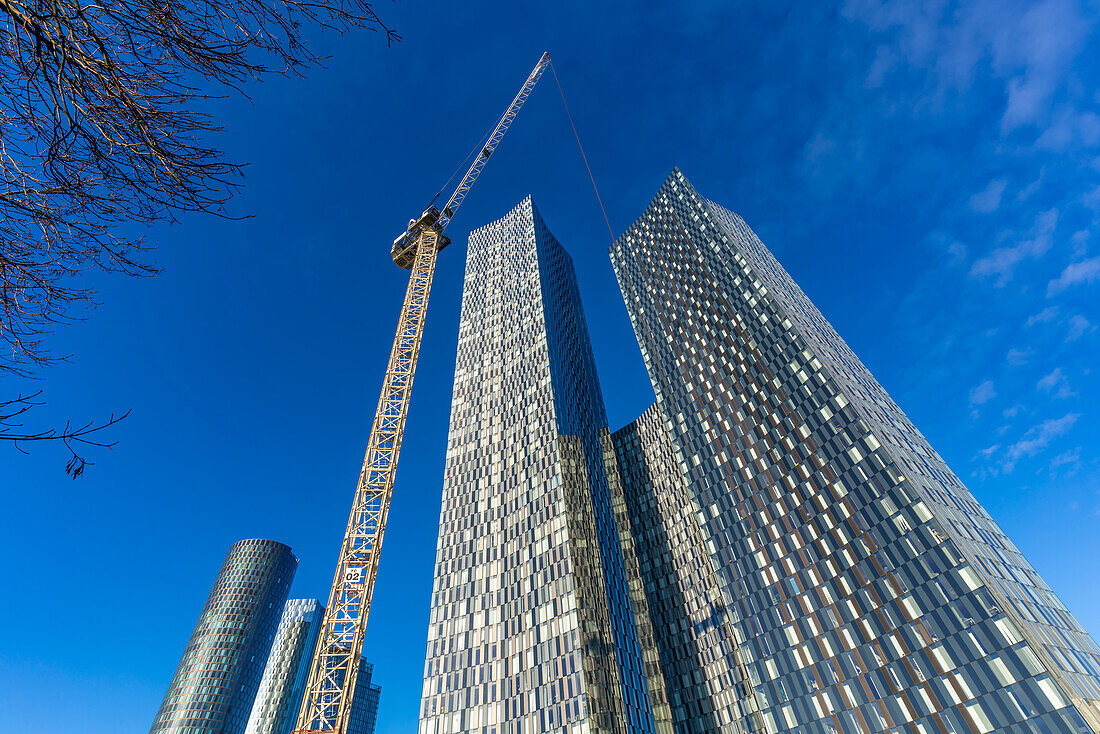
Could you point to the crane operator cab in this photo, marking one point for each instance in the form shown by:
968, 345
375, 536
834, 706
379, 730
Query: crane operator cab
404, 247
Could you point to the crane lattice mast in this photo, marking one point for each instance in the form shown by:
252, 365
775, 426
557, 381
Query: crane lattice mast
326, 705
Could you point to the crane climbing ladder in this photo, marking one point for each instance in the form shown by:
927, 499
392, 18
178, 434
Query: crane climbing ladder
326, 705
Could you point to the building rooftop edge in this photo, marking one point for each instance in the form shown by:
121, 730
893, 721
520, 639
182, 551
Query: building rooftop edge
674, 173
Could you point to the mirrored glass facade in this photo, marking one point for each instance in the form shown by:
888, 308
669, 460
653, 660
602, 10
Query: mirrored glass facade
538, 619
852, 577
216, 680
282, 687
364, 706
698, 651
275, 709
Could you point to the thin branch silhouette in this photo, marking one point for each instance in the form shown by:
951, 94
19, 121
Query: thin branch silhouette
11, 430
103, 132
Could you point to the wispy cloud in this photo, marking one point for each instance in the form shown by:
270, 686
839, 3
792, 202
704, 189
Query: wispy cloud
1046, 315
1009, 87
957, 251
989, 199
1086, 271
1071, 457
983, 393
1038, 49
1078, 327
1080, 242
1037, 439
1026, 48
1070, 129
1002, 261
1091, 198
1057, 384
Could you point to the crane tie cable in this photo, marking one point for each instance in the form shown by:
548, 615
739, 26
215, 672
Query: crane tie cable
581, 148
480, 145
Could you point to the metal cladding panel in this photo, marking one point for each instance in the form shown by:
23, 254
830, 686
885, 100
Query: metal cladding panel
867, 588
215, 683
532, 627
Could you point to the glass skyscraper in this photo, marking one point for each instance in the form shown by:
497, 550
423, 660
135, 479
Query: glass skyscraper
364, 707
539, 622
697, 649
812, 564
275, 709
216, 680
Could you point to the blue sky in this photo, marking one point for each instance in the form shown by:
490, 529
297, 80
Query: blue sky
929, 172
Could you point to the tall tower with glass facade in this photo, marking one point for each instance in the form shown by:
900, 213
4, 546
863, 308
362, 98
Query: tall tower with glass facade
538, 619
696, 645
216, 680
364, 705
808, 552
275, 708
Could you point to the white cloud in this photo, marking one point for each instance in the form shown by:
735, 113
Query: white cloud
1038, 49
989, 199
1080, 242
1072, 456
983, 393
1017, 357
1078, 327
1012, 412
1050, 380
1091, 198
1002, 261
1028, 48
1047, 314
1037, 439
957, 251
885, 60
1031, 188
1071, 129
1086, 271
1057, 384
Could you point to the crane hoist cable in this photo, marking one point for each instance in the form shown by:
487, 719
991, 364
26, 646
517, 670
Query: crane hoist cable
326, 704
479, 145
581, 148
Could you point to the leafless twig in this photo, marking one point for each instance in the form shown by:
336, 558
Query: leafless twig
100, 129
101, 134
11, 411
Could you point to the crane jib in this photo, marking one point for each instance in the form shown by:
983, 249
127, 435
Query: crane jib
402, 252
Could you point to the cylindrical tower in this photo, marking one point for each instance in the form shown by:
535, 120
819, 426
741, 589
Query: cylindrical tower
217, 677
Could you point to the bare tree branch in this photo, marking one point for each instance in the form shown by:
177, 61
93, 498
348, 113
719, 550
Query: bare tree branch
71, 436
101, 134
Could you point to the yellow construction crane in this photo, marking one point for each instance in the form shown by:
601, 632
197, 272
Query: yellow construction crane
326, 705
